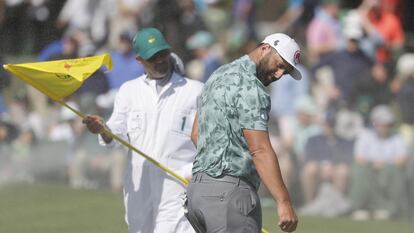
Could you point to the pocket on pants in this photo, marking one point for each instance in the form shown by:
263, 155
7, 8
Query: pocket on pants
217, 191
244, 201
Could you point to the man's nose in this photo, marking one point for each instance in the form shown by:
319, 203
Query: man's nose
278, 73
161, 60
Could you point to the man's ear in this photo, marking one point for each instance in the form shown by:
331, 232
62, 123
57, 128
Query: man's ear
264, 49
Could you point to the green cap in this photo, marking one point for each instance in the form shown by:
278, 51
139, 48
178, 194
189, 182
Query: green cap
326, 2
148, 42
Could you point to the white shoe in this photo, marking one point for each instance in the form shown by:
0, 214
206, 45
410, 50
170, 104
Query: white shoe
360, 215
381, 215
321, 204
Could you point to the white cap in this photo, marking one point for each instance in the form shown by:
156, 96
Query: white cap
352, 28
382, 114
353, 32
288, 49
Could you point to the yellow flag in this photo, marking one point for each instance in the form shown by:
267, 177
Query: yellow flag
58, 79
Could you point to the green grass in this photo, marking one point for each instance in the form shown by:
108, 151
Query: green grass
338, 225
49, 208
52, 209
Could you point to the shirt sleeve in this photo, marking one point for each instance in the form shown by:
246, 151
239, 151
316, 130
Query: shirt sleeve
252, 107
400, 147
362, 145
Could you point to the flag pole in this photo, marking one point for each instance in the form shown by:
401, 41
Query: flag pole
125, 143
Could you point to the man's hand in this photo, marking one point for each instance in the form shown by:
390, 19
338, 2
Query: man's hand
94, 123
288, 220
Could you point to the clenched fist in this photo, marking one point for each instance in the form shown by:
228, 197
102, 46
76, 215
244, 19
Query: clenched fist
94, 123
288, 220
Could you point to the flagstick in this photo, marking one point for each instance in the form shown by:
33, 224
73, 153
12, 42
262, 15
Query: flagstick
125, 143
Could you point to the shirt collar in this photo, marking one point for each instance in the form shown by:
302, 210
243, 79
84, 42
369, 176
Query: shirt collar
250, 68
248, 64
175, 80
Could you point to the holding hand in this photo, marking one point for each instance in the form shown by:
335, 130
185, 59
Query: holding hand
94, 123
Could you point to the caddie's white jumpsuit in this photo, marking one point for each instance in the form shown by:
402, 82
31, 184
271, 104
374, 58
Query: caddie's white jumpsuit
158, 124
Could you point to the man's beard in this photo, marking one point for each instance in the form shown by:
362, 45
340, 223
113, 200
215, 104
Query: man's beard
161, 70
262, 73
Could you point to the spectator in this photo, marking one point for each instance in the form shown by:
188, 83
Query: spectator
84, 159
21, 159
51, 49
243, 15
292, 14
95, 85
404, 89
324, 31
378, 176
41, 15
4, 82
282, 112
296, 18
190, 23
89, 16
8, 133
357, 24
371, 88
126, 17
306, 125
216, 18
125, 66
403, 86
389, 26
326, 171
70, 49
345, 64
13, 33
206, 60
69, 129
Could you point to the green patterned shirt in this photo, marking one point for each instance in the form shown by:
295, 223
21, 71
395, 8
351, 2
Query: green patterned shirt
233, 99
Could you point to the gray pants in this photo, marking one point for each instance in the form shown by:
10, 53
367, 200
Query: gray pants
223, 205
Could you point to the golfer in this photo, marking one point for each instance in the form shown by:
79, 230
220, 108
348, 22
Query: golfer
233, 148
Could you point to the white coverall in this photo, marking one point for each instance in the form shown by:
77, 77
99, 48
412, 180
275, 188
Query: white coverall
158, 124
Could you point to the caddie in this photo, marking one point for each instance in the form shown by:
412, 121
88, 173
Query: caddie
155, 113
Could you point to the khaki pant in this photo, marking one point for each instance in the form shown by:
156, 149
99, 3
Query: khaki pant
379, 189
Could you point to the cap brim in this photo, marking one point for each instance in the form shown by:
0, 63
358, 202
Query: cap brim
151, 52
295, 74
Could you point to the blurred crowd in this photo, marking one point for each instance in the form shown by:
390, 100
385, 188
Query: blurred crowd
344, 134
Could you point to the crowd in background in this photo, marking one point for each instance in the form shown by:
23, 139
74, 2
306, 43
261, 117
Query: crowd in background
344, 134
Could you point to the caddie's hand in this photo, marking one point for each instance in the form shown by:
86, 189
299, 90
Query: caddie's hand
288, 220
94, 123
